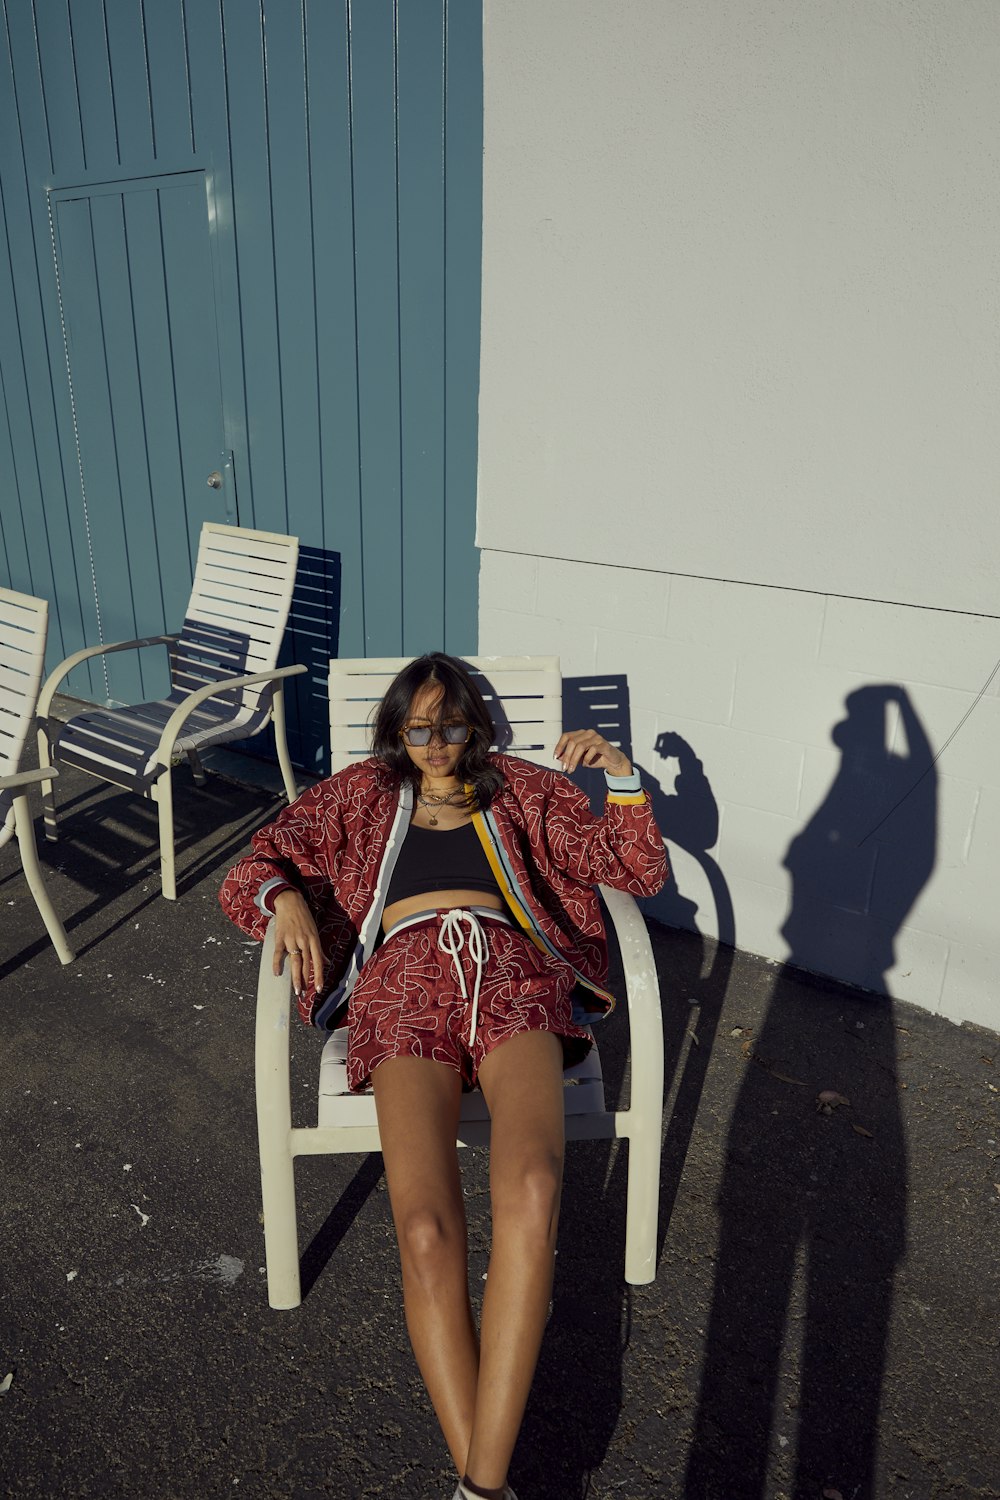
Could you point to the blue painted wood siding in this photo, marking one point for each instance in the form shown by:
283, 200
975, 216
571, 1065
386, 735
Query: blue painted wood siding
341, 145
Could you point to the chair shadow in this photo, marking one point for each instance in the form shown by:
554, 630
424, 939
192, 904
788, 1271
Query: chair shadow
694, 971
822, 1192
329, 1236
695, 984
109, 847
312, 637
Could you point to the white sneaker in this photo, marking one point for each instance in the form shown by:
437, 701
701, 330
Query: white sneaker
464, 1494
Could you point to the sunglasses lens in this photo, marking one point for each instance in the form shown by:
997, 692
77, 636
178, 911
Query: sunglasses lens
419, 735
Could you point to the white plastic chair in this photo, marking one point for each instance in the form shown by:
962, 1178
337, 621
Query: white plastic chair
24, 624
529, 715
224, 684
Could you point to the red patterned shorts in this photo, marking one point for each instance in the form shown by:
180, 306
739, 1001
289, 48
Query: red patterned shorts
451, 986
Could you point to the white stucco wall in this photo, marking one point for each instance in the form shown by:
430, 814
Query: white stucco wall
740, 375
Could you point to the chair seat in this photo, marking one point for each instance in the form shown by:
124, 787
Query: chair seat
583, 1089
120, 745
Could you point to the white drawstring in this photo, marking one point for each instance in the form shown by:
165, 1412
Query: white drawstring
451, 929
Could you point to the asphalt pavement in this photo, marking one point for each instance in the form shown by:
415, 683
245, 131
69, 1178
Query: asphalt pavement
824, 1318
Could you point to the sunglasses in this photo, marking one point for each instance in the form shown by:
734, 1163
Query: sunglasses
417, 736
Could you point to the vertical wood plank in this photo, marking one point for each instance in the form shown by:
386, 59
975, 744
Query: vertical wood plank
59, 90
251, 180
129, 453
421, 200
331, 191
130, 86
171, 528
372, 43
288, 149
210, 113
169, 87
194, 354
16, 561
294, 275
77, 260
93, 83
463, 257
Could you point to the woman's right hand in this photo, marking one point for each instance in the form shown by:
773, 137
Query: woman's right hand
296, 934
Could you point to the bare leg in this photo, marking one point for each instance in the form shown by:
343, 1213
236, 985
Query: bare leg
418, 1103
522, 1081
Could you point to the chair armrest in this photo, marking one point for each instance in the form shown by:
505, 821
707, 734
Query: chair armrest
637, 961
643, 991
271, 1061
175, 723
65, 667
25, 778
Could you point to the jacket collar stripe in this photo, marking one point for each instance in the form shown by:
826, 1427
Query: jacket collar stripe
328, 1015
489, 835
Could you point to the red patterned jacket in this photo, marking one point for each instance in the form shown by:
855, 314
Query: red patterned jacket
339, 842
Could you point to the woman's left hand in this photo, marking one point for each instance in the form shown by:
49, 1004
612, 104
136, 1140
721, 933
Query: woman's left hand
585, 747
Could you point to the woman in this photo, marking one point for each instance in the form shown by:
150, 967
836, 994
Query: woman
440, 899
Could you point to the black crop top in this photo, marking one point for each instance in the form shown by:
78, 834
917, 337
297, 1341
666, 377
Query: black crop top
440, 859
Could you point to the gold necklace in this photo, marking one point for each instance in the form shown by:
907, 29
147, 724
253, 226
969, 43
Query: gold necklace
434, 802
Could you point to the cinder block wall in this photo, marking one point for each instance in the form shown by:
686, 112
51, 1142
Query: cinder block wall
755, 680
740, 364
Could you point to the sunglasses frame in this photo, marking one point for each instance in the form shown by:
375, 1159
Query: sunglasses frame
404, 734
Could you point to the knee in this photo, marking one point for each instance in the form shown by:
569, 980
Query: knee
428, 1245
528, 1200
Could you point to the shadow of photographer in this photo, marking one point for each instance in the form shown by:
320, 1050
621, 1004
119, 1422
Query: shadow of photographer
820, 1186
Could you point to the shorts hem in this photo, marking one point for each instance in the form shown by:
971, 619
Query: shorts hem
574, 1048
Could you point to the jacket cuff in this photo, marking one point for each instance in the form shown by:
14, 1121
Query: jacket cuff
625, 789
264, 898
623, 783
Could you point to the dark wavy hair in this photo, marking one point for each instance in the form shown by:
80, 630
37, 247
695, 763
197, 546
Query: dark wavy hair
462, 700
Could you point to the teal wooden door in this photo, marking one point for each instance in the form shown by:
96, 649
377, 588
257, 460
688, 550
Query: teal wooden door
137, 297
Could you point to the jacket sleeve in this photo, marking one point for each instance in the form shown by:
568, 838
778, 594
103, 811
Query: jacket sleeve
297, 848
623, 848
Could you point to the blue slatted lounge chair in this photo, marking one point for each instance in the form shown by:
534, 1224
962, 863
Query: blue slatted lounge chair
224, 684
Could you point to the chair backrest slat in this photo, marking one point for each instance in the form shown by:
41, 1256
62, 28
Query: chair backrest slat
523, 693
240, 600
24, 624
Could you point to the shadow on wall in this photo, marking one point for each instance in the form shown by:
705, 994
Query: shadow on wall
858, 866
799, 1184
312, 637
694, 990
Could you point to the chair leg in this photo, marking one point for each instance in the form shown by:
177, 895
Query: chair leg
274, 1125
197, 769
163, 796
281, 1238
36, 884
644, 1146
643, 1204
281, 742
48, 795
